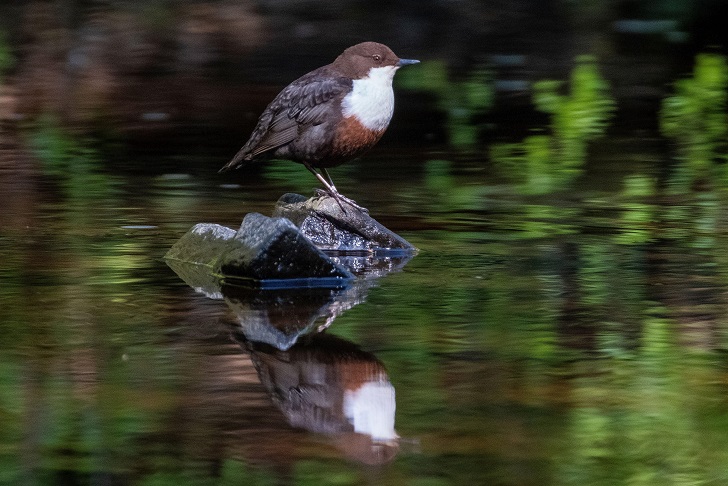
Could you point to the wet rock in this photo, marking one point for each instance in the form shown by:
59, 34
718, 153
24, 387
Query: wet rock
324, 222
193, 257
276, 252
270, 252
202, 245
273, 251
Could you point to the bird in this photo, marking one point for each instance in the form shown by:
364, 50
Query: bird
329, 116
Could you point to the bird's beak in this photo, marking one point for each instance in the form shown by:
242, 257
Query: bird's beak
404, 62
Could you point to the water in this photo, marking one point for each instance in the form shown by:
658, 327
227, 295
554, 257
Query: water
531, 341
564, 322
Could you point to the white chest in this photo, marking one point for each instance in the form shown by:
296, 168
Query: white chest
371, 99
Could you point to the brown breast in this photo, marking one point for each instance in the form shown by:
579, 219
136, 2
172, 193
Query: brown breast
353, 139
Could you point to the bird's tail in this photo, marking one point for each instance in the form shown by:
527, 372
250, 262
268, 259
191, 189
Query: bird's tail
240, 159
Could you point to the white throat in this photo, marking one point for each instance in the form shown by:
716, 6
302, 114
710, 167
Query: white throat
371, 99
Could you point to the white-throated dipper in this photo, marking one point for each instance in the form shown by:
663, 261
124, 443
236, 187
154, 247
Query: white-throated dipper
328, 116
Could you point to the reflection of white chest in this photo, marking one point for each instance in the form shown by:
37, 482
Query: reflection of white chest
371, 99
370, 409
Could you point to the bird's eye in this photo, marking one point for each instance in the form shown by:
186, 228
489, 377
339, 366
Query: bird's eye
377, 58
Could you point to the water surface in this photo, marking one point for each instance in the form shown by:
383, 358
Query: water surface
556, 339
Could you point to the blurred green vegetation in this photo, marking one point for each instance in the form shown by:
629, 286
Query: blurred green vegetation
639, 213
528, 335
695, 118
296, 178
74, 163
447, 192
461, 100
62, 153
541, 164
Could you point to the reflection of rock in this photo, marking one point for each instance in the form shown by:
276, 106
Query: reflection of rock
371, 265
324, 222
280, 316
328, 385
197, 276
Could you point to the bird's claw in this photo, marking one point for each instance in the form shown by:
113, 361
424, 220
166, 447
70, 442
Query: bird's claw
340, 198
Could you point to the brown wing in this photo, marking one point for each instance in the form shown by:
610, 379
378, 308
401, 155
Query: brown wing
304, 101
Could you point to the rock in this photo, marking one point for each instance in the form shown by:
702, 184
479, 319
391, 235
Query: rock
287, 249
268, 252
324, 222
202, 245
193, 257
273, 252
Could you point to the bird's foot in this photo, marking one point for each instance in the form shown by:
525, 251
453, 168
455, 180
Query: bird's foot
341, 200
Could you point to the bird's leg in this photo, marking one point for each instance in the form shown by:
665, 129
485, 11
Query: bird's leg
328, 177
333, 192
348, 201
329, 187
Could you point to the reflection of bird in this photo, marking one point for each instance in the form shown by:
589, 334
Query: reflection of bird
330, 115
328, 385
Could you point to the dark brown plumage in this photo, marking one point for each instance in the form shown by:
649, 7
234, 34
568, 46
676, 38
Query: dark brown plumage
328, 116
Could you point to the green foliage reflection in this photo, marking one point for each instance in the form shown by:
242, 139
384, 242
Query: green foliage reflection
461, 100
447, 193
295, 177
541, 164
695, 117
621, 438
61, 153
71, 159
638, 214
